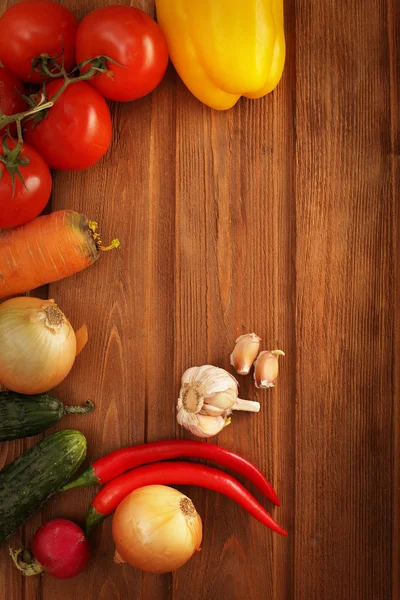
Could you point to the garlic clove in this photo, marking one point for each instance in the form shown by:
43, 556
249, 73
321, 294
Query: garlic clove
185, 417
266, 368
210, 426
222, 400
213, 411
245, 352
189, 421
190, 375
202, 425
213, 380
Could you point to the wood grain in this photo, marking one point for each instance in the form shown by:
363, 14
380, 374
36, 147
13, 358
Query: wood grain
393, 20
279, 216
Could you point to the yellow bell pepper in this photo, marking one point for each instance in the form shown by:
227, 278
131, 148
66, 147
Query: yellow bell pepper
224, 49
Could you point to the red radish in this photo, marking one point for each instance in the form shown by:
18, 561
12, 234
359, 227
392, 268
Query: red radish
62, 548
59, 547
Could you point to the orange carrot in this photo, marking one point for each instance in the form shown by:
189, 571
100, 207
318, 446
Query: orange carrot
47, 249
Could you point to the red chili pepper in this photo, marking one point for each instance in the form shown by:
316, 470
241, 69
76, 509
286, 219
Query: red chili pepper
167, 473
107, 468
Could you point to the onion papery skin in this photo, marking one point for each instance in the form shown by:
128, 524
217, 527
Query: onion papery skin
34, 357
151, 532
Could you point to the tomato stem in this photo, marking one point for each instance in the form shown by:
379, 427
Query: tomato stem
45, 64
97, 65
43, 104
12, 159
19, 132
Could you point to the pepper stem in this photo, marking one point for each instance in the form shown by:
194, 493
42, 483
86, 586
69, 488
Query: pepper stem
247, 405
93, 518
79, 410
85, 479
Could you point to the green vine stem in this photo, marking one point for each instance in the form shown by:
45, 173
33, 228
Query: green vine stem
96, 65
12, 159
43, 104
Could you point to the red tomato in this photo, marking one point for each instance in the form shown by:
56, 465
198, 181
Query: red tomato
34, 27
76, 132
11, 101
131, 38
62, 548
28, 201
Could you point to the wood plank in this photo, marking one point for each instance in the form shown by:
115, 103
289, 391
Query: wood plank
344, 451
234, 216
214, 276
112, 298
393, 20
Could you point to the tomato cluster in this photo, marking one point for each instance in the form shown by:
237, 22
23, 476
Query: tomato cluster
41, 42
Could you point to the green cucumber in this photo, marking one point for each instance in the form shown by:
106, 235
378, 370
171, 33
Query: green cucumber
36, 475
22, 416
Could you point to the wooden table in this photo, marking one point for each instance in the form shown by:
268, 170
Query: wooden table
279, 216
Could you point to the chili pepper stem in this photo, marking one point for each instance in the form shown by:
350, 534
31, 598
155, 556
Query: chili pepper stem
85, 479
93, 518
247, 405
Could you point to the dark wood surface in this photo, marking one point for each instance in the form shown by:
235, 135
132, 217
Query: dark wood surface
279, 216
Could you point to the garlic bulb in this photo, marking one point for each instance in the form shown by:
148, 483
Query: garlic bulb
208, 396
266, 368
245, 352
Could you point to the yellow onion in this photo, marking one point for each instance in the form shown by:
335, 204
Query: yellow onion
156, 529
37, 345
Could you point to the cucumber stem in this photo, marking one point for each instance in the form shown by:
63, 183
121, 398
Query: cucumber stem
79, 410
